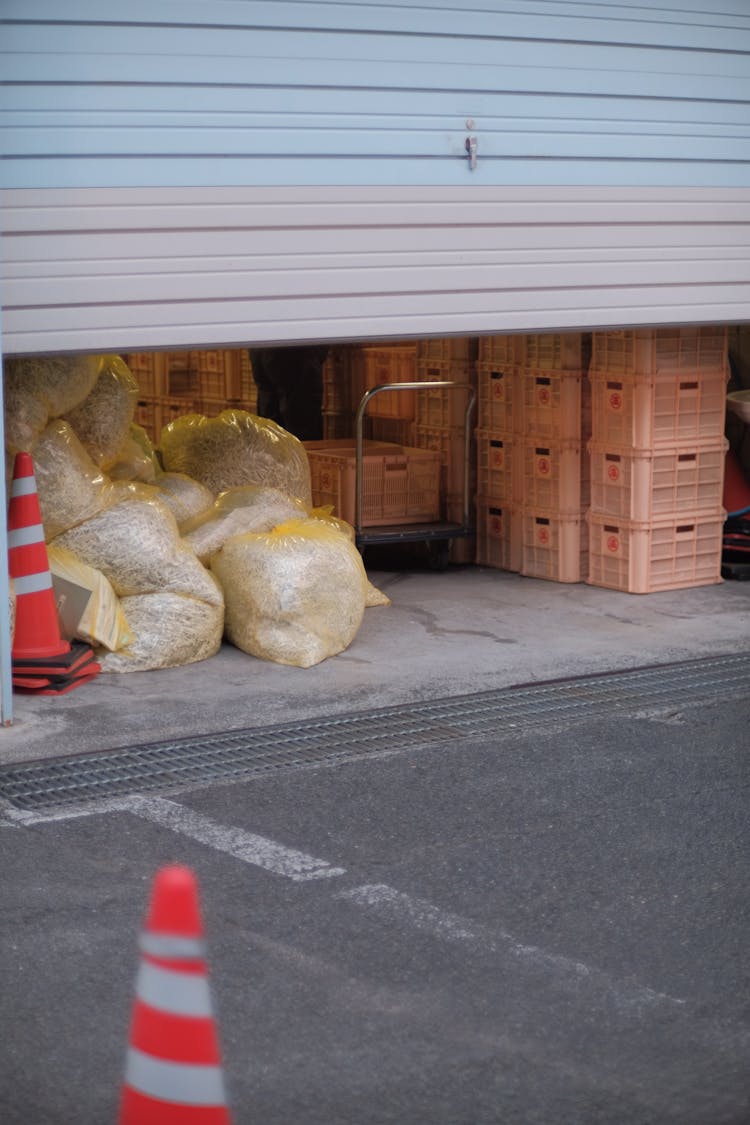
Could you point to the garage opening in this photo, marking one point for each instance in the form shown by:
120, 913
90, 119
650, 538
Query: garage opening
594, 458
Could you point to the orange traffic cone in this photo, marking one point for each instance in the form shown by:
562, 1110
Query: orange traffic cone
173, 1071
42, 661
37, 626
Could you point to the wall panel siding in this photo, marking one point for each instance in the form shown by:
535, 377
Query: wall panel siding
161, 267
239, 92
179, 173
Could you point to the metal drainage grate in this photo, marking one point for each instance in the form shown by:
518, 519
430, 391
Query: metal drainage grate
245, 753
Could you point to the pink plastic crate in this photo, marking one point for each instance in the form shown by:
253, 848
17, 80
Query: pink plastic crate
555, 546
553, 405
643, 411
499, 535
150, 371
649, 351
500, 351
450, 349
337, 388
664, 554
500, 466
500, 399
644, 485
398, 431
155, 414
555, 476
399, 484
337, 426
552, 351
394, 363
450, 444
443, 408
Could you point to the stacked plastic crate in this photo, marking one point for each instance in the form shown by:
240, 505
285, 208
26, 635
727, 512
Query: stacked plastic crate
158, 374
555, 421
657, 458
213, 381
390, 414
341, 391
534, 419
499, 464
175, 383
440, 425
248, 389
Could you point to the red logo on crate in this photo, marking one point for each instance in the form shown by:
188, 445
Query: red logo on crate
613, 472
615, 401
325, 479
543, 396
542, 536
498, 390
498, 458
543, 466
496, 525
613, 544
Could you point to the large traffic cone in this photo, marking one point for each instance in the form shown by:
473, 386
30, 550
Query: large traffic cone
173, 1071
37, 625
43, 662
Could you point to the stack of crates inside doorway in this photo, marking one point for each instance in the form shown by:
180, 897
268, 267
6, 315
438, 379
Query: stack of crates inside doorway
171, 384
440, 425
657, 458
534, 424
400, 482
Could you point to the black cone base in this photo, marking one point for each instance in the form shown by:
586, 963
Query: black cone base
65, 665
56, 675
43, 685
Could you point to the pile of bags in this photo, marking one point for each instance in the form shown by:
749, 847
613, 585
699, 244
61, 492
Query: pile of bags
213, 535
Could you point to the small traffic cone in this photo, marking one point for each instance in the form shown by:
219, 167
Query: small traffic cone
42, 661
173, 1071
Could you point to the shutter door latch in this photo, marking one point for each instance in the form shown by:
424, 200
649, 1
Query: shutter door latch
471, 147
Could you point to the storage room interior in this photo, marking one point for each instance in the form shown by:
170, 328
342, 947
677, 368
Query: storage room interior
573, 465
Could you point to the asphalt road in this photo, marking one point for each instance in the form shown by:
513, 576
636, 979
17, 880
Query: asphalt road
537, 926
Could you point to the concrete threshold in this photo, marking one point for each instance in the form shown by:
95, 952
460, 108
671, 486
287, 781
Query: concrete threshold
467, 629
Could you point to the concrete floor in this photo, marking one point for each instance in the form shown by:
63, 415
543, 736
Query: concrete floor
464, 630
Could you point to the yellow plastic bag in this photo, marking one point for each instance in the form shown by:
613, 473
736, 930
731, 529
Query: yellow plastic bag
101, 422
103, 621
250, 507
137, 545
236, 448
38, 388
187, 499
373, 596
169, 630
71, 487
294, 595
136, 458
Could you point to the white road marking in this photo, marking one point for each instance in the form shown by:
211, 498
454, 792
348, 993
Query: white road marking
25, 818
380, 898
428, 918
246, 846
